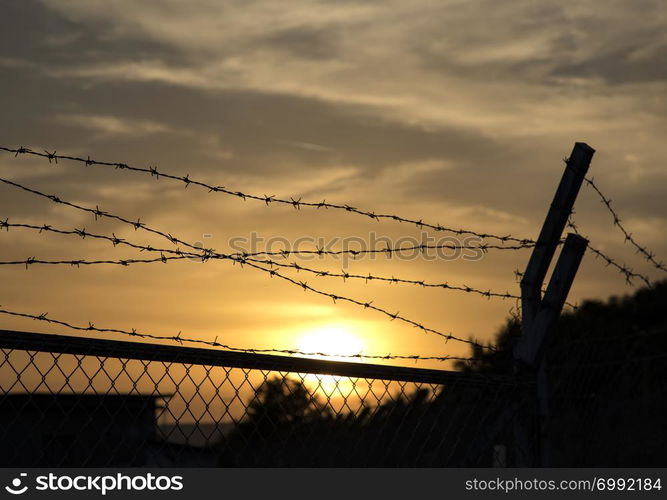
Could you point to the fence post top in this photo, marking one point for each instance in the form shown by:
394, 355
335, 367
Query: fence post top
582, 153
574, 240
584, 146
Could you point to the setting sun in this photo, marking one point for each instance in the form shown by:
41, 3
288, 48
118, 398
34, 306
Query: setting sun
334, 342
331, 340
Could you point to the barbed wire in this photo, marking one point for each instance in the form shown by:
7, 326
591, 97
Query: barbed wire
114, 240
214, 343
644, 251
393, 280
369, 277
622, 268
272, 272
100, 214
388, 250
297, 203
320, 273
249, 259
83, 262
208, 253
211, 255
180, 255
268, 200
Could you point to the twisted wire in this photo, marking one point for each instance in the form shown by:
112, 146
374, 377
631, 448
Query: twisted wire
298, 203
180, 255
622, 268
208, 253
388, 250
211, 255
268, 200
214, 343
644, 251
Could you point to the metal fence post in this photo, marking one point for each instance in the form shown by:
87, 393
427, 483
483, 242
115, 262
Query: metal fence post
542, 327
552, 229
538, 315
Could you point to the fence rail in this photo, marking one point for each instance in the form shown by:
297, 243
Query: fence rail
86, 346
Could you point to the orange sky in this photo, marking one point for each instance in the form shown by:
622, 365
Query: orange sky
457, 113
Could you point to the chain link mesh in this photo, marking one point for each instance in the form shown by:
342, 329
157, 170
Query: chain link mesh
608, 398
63, 404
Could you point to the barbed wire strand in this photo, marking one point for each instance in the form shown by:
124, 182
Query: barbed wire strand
130, 261
268, 200
644, 251
214, 343
393, 280
344, 275
523, 242
610, 261
211, 255
83, 262
114, 240
272, 272
389, 250
5, 224
206, 254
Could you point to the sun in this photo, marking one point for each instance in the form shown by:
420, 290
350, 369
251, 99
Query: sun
334, 341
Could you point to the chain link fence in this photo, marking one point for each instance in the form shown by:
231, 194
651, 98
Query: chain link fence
609, 399
72, 401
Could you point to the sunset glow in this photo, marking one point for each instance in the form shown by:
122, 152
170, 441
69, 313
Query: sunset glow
334, 340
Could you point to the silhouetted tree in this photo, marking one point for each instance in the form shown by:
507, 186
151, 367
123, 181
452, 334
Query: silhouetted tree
607, 368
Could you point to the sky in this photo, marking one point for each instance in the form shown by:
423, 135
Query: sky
455, 112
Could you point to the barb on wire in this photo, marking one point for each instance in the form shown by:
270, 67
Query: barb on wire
644, 251
268, 200
212, 255
83, 262
389, 250
344, 275
209, 253
99, 214
180, 339
115, 241
393, 280
628, 273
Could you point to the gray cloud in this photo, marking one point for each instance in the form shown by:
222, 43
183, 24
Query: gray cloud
304, 42
622, 65
35, 33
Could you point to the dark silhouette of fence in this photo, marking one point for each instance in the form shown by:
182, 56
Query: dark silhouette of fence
81, 401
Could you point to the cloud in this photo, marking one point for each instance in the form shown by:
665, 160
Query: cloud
113, 126
505, 69
307, 146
